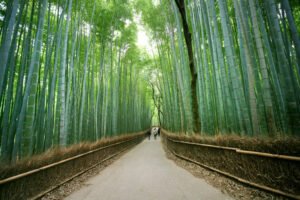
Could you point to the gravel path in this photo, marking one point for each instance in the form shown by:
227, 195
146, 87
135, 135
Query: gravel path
145, 173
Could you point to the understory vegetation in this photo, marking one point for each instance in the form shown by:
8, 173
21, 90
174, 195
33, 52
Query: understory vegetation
73, 71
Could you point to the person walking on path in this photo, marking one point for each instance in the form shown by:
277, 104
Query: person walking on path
158, 131
148, 134
154, 130
155, 134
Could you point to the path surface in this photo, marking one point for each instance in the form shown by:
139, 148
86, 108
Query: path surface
144, 173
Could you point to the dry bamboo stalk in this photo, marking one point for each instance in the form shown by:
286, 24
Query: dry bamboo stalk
284, 157
78, 174
237, 150
240, 179
204, 145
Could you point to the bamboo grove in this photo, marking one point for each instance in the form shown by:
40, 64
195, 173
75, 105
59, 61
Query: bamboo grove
71, 70
69, 73
246, 55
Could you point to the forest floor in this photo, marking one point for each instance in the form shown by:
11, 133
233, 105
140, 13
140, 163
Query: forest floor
145, 173
234, 189
80, 181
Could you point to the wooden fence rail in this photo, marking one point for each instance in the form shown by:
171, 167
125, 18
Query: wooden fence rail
270, 172
36, 183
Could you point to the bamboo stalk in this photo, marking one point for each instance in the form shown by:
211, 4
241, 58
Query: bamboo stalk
203, 145
237, 150
284, 157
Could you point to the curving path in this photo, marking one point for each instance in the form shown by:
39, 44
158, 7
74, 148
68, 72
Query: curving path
144, 173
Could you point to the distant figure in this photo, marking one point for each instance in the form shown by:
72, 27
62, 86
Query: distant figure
154, 130
149, 134
155, 134
158, 132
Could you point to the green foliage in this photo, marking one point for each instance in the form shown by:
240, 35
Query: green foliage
85, 84
244, 86
64, 80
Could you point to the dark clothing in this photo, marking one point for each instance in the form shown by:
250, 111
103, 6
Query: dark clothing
158, 132
148, 134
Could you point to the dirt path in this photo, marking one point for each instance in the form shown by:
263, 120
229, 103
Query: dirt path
145, 173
